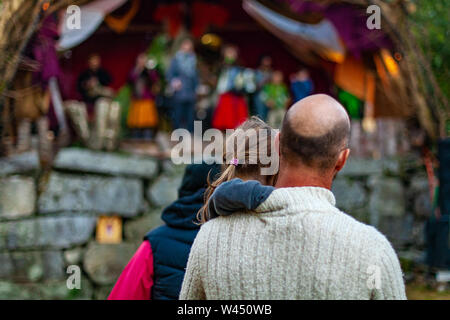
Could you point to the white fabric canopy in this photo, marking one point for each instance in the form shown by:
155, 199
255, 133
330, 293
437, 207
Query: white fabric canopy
321, 37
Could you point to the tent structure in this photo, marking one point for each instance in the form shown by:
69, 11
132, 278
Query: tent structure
311, 30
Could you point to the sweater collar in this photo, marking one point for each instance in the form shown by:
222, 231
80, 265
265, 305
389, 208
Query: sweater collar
297, 199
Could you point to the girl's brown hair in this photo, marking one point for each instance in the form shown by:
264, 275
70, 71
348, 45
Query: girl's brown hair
247, 152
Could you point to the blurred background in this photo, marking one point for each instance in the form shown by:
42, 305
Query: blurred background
89, 95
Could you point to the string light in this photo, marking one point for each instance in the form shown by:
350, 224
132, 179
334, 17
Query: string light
211, 39
45, 5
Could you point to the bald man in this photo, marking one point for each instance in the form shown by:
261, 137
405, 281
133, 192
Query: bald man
296, 244
313, 142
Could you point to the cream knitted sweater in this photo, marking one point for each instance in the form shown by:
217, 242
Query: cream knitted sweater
297, 245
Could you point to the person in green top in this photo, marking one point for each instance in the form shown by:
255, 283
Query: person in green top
275, 95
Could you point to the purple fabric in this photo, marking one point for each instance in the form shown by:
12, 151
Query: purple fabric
350, 23
44, 50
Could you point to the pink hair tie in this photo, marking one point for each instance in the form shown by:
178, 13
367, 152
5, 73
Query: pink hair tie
234, 162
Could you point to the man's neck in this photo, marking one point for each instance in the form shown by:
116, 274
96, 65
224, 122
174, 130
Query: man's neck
302, 177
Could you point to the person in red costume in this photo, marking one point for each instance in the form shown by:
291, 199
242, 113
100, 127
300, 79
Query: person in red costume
232, 109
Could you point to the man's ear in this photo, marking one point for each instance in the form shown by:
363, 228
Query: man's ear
277, 143
342, 159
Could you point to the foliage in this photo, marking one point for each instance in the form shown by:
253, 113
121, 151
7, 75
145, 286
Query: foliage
430, 21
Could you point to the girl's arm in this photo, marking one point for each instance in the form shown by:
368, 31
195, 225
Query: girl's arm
237, 195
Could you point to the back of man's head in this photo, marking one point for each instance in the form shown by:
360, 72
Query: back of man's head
315, 132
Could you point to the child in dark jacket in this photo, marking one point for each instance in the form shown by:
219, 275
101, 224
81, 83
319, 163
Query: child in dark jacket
157, 268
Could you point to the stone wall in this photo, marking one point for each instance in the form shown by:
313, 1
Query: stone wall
390, 194
48, 220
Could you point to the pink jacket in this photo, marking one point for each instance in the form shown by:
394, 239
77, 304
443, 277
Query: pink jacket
136, 280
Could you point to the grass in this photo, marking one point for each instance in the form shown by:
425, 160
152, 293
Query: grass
416, 291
